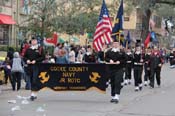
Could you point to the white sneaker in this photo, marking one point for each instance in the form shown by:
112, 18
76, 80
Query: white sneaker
122, 84
172, 66
126, 82
146, 83
116, 96
136, 88
129, 81
140, 87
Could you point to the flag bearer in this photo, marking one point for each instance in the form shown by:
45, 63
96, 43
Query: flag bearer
156, 63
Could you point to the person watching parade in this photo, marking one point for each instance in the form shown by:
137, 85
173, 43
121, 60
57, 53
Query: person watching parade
89, 56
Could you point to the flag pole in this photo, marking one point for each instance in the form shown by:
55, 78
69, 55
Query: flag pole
115, 14
119, 37
126, 44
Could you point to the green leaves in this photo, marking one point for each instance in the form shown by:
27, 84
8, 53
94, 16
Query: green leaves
81, 16
77, 16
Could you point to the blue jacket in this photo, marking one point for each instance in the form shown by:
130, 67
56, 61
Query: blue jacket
62, 60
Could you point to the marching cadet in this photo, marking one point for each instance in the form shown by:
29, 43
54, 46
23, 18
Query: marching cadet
138, 67
156, 62
115, 58
34, 54
147, 66
172, 58
129, 64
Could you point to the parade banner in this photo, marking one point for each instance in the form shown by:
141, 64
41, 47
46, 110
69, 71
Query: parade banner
71, 77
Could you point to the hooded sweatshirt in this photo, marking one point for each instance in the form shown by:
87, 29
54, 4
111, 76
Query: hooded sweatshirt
17, 63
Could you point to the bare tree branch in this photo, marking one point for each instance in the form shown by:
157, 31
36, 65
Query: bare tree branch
165, 2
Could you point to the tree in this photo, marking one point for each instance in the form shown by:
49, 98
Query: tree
77, 16
169, 2
41, 16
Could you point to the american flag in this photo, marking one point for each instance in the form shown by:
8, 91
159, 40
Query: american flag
103, 29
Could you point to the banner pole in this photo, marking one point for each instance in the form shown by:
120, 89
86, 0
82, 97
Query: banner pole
126, 44
119, 37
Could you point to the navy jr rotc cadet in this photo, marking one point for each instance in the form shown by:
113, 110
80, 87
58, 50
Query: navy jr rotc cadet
172, 58
115, 58
138, 67
33, 55
129, 64
156, 63
147, 66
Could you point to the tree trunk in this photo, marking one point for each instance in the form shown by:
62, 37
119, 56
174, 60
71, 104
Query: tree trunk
165, 2
145, 24
42, 29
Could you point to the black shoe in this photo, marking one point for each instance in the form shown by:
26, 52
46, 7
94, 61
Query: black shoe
129, 83
13, 88
140, 88
112, 100
32, 98
151, 87
115, 101
27, 89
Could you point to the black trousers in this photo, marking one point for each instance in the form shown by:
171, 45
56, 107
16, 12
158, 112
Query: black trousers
32, 71
138, 75
155, 71
172, 62
7, 75
147, 73
128, 71
116, 80
16, 78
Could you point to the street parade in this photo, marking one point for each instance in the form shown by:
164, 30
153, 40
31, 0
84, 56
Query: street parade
121, 71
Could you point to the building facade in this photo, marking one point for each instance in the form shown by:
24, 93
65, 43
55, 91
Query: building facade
12, 14
7, 22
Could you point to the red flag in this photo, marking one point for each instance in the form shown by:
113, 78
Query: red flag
51, 41
103, 29
147, 40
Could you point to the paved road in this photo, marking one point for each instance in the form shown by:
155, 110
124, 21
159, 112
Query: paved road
149, 102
